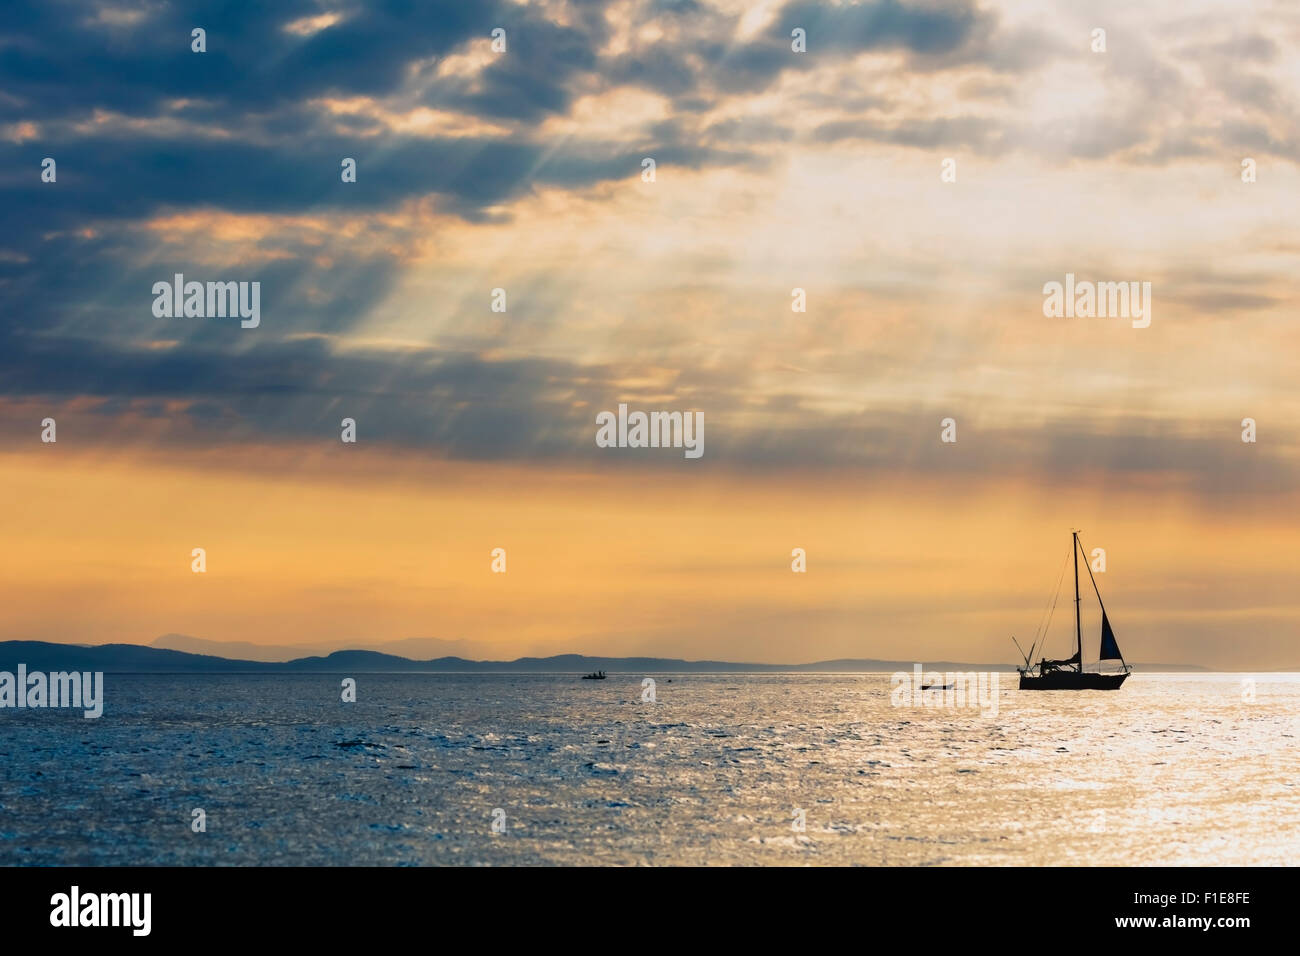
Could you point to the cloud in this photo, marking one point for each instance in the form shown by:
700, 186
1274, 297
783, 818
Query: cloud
967, 132
60, 63
468, 406
777, 169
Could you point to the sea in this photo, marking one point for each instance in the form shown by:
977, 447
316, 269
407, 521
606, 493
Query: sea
691, 769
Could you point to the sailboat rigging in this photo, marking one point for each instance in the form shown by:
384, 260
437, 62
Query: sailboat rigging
1068, 674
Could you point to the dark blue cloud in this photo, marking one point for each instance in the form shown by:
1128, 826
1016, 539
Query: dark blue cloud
932, 35
454, 404
883, 24
60, 60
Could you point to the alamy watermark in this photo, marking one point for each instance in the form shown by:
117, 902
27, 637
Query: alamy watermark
1106, 300
211, 300
74, 908
58, 689
651, 430
949, 690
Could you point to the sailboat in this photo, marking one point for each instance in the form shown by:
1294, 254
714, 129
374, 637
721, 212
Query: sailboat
1069, 673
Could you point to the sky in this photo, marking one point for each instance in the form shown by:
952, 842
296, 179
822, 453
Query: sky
920, 171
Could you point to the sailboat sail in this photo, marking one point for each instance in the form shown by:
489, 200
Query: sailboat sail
1109, 646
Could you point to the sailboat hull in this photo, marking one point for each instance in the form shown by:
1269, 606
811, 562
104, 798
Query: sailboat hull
1071, 680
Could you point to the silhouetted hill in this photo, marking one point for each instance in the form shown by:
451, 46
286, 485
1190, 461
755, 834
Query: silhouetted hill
120, 658
413, 648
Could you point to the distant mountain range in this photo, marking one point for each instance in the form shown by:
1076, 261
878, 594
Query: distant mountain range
139, 659
412, 648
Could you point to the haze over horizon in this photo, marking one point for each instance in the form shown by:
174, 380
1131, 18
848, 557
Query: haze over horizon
417, 650
427, 649
775, 171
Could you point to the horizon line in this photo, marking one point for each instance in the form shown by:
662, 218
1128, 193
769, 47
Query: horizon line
883, 665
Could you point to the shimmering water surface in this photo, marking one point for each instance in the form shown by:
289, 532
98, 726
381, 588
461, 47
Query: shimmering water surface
1172, 769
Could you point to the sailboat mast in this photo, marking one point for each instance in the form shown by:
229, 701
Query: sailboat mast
1078, 626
